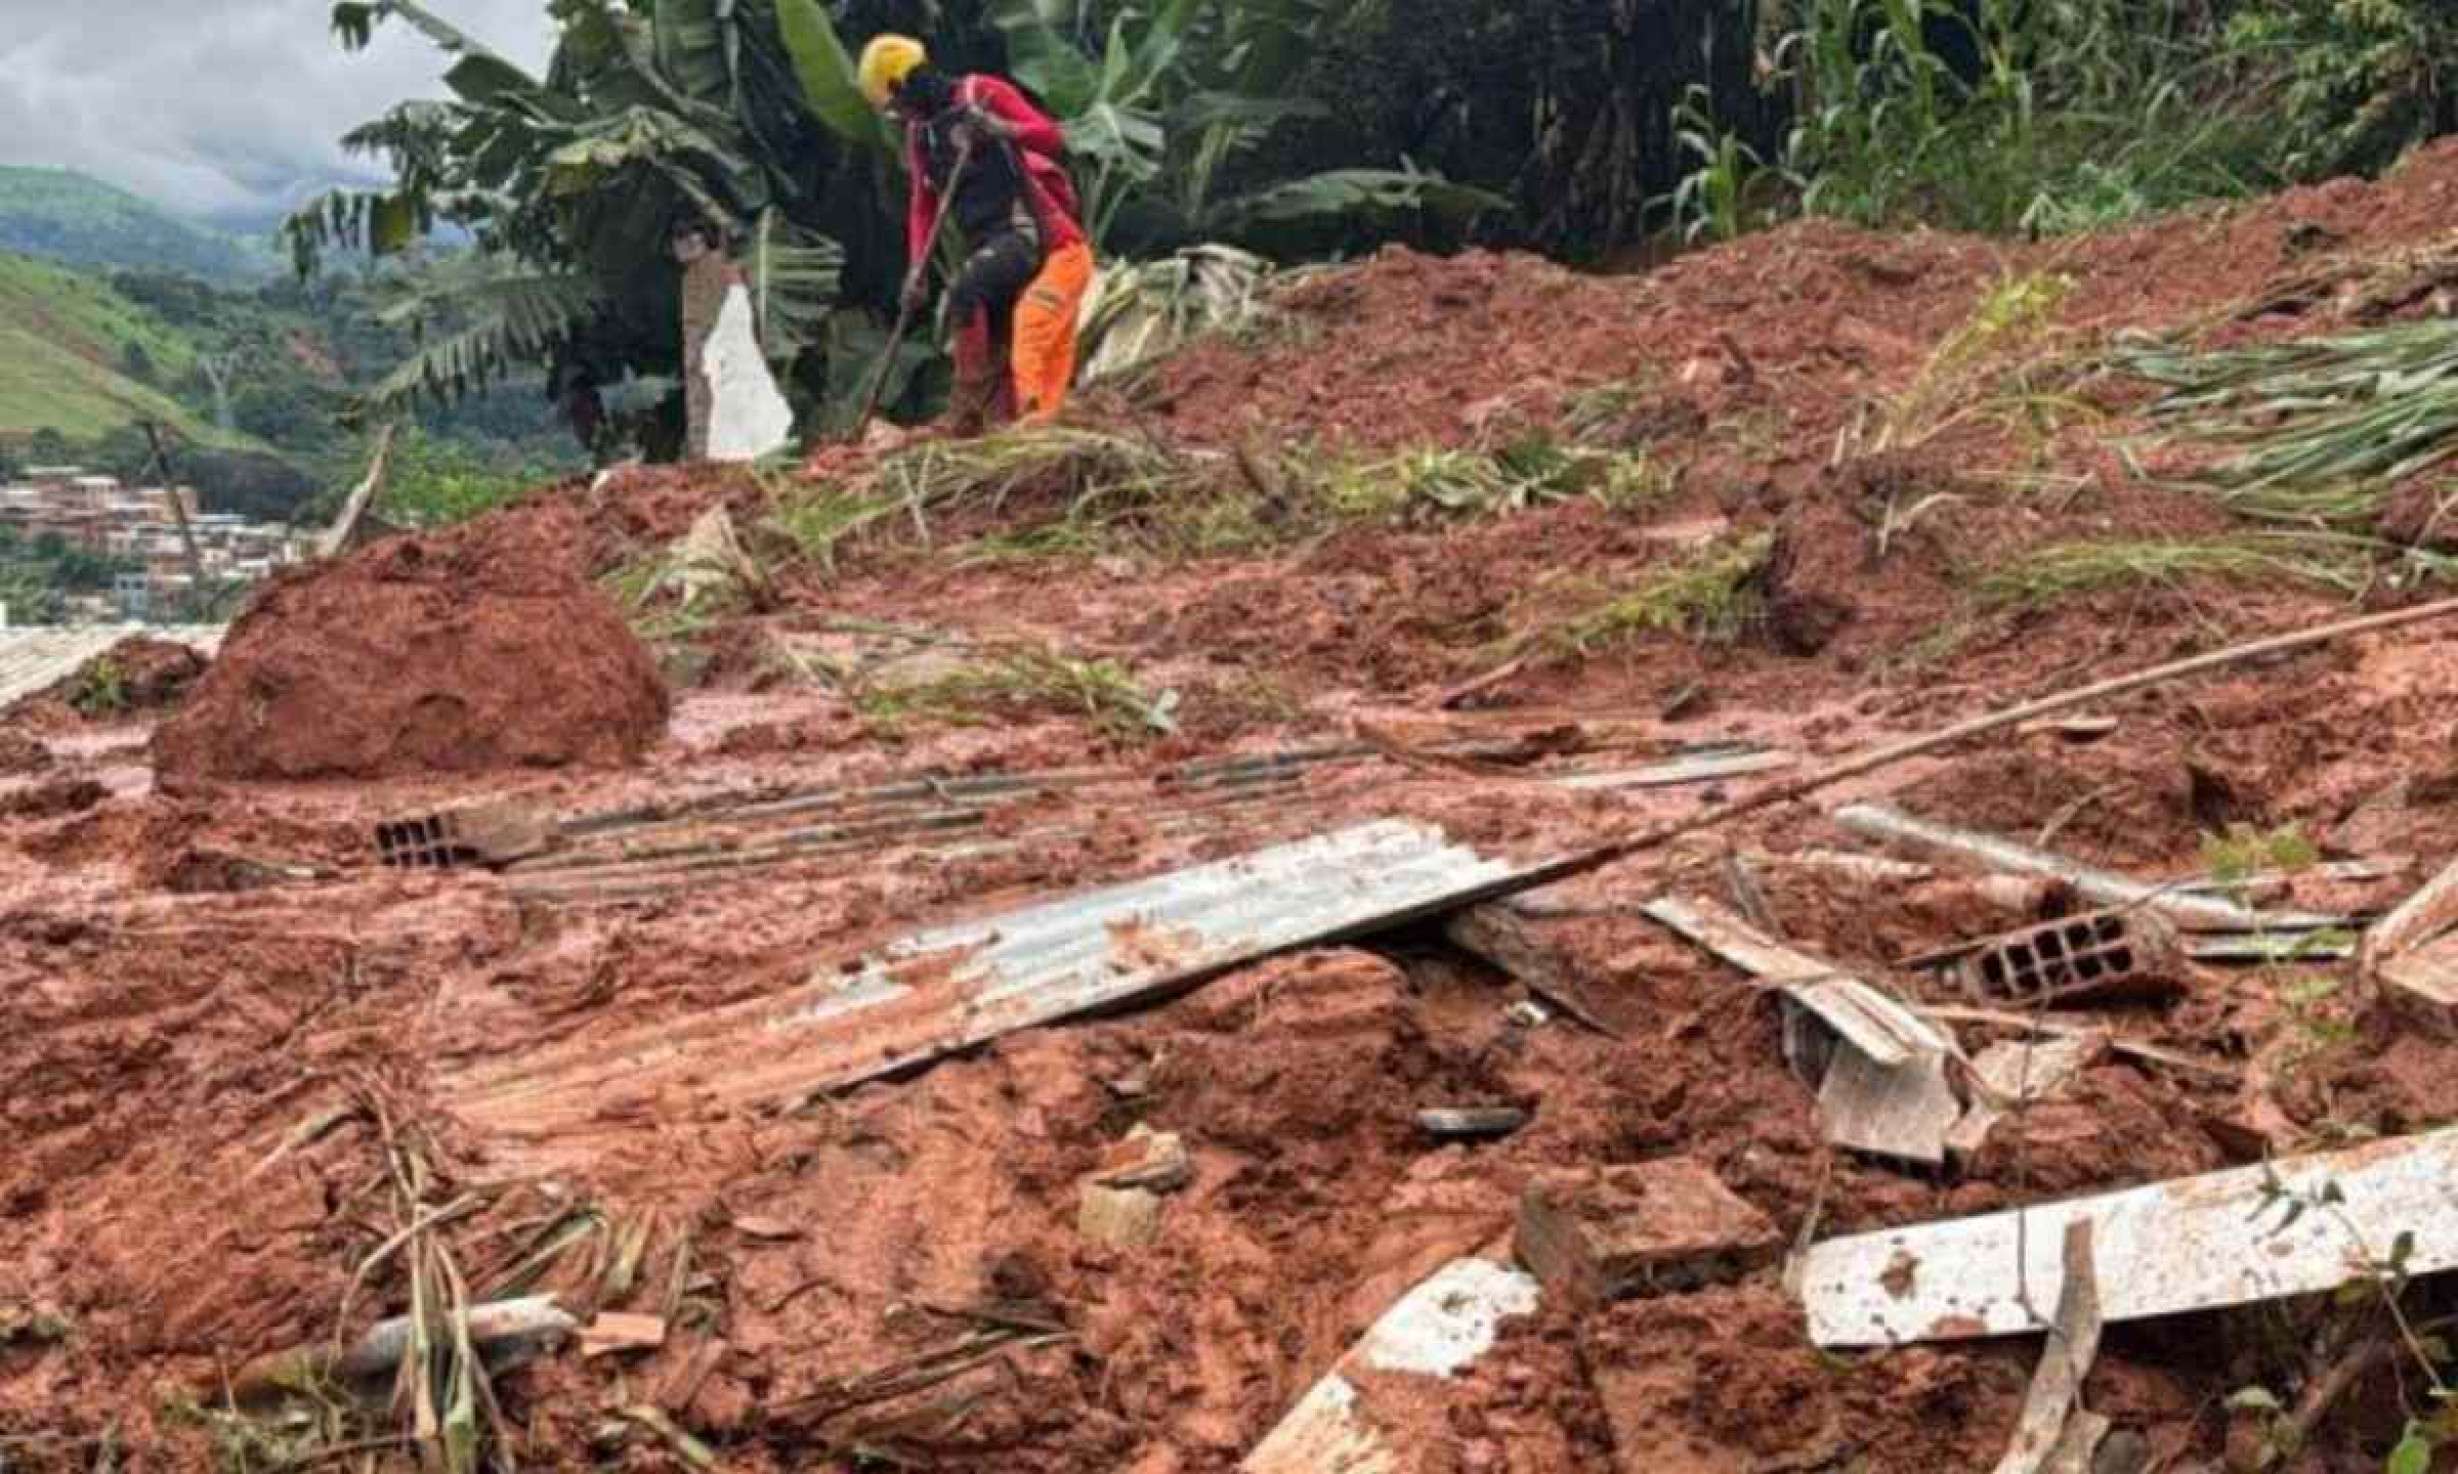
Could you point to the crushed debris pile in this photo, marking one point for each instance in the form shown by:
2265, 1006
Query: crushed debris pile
1084, 979
420, 656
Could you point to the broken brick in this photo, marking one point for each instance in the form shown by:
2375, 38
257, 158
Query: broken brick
1608, 1232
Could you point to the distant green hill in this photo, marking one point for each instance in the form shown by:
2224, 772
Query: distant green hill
79, 358
68, 217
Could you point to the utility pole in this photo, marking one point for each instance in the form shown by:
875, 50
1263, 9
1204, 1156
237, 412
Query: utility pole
160, 462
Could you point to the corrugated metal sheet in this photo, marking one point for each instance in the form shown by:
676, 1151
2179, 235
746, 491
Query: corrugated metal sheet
622, 857
954, 986
35, 656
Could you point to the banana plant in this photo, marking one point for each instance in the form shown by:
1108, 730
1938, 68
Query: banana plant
1177, 94
572, 182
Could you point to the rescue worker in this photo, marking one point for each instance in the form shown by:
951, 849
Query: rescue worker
980, 146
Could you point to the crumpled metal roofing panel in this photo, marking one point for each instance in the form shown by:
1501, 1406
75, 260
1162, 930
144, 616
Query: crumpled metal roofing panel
951, 987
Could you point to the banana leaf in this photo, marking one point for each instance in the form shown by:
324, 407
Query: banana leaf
831, 88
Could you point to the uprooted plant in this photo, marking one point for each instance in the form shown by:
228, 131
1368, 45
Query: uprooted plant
1432, 485
1998, 361
1060, 491
461, 1270
1711, 593
2342, 563
101, 688
1021, 678
2369, 1327
2316, 430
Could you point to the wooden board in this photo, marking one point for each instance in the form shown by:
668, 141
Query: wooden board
2197, 1243
1508, 940
1600, 1233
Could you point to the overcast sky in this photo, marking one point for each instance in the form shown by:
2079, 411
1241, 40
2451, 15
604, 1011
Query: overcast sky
219, 108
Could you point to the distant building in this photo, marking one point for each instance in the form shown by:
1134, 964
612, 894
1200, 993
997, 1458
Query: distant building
142, 525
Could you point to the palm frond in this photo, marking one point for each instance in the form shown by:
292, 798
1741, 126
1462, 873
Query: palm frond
825, 71
491, 324
1348, 193
794, 276
2317, 416
1136, 313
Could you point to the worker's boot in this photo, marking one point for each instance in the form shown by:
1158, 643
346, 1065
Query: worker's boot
975, 397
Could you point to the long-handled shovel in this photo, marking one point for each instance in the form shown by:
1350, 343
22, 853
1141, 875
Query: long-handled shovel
904, 305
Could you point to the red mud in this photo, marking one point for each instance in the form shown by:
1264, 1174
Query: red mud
419, 656
895, 1274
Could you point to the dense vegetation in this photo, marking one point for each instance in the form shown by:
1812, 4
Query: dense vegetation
1294, 128
255, 388
1303, 128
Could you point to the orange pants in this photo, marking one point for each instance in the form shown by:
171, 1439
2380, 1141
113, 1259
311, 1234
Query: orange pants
1041, 356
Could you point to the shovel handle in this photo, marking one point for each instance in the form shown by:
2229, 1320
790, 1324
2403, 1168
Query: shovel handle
916, 271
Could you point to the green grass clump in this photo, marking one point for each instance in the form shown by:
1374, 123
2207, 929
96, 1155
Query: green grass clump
814, 521
2056, 572
102, 688
643, 588
1024, 680
2317, 430
2244, 850
1711, 595
2011, 322
1086, 472
1532, 471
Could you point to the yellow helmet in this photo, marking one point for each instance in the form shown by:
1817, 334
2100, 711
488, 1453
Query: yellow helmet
886, 62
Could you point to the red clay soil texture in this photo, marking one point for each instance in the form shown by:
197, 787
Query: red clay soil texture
139, 673
225, 1025
420, 655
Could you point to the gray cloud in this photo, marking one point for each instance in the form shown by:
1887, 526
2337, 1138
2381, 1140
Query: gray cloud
219, 108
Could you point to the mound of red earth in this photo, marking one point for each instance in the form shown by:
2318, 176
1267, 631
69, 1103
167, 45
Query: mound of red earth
139, 673
448, 654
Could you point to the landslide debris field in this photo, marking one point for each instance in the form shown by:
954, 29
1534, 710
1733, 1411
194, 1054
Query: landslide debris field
984, 956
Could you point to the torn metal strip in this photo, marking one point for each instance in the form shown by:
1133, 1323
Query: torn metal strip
1887, 1091
2048, 1436
2297, 1226
1871, 1021
1436, 1331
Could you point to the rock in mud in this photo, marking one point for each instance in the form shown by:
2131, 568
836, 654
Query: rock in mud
420, 655
1120, 1217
